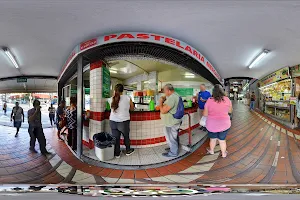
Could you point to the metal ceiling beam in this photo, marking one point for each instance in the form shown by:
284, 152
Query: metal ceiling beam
29, 77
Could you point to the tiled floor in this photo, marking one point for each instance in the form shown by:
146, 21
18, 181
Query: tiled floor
260, 151
151, 155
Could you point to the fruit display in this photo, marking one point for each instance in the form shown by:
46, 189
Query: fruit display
277, 97
279, 91
283, 114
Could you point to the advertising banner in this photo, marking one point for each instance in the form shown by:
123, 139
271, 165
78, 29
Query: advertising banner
142, 37
275, 76
295, 71
105, 82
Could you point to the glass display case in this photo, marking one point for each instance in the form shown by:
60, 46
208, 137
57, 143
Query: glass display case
276, 97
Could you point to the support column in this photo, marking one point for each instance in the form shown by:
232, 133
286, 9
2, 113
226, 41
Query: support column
79, 105
98, 122
59, 92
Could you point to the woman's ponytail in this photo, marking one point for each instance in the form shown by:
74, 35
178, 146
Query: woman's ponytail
117, 96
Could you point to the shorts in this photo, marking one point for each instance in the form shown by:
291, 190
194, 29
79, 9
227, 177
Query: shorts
17, 124
218, 135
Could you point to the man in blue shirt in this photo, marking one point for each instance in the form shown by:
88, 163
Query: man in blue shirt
203, 96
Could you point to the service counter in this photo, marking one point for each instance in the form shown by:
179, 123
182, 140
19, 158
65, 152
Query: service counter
146, 127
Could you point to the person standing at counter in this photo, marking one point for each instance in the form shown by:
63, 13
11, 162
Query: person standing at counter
203, 96
120, 119
168, 107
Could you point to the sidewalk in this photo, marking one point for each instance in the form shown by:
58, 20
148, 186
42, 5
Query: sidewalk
5, 119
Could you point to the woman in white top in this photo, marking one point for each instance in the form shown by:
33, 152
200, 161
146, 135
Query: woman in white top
120, 119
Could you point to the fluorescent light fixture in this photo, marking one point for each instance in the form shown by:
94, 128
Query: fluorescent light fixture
258, 58
189, 76
11, 57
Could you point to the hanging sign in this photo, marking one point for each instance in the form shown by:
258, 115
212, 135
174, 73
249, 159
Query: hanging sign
184, 92
275, 76
22, 80
105, 82
295, 71
142, 37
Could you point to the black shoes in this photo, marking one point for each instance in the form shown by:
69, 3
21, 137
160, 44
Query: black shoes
46, 153
33, 150
128, 153
16, 134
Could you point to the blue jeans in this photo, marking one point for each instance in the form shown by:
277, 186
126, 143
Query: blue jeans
218, 135
172, 138
252, 103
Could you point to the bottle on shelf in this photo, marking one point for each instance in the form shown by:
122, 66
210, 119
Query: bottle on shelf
151, 105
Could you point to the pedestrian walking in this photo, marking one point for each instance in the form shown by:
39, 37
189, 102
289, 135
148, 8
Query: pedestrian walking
17, 115
51, 110
4, 108
36, 129
252, 101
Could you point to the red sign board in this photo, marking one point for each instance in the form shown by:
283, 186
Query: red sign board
87, 44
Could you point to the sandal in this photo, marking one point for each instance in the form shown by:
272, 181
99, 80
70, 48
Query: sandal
208, 151
225, 155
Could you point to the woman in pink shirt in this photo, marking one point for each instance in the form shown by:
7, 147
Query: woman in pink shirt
218, 122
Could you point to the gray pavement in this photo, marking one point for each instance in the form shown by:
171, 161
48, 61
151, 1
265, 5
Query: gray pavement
5, 119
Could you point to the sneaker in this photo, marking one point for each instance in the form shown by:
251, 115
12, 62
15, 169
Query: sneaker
168, 155
128, 153
16, 135
32, 150
118, 156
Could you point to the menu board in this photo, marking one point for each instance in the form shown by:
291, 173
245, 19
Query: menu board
105, 82
183, 92
275, 76
295, 71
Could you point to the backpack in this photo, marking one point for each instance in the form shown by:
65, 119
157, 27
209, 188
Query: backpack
180, 110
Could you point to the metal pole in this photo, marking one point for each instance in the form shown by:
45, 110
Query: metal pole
79, 105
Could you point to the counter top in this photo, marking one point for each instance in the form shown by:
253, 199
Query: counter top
155, 111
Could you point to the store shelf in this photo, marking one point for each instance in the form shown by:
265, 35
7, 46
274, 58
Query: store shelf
283, 119
278, 107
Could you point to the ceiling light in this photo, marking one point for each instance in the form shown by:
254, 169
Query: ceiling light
189, 76
11, 57
258, 58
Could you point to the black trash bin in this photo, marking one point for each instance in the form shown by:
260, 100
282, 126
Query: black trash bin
104, 146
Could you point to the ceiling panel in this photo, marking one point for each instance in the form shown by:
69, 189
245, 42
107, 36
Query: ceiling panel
42, 33
32, 85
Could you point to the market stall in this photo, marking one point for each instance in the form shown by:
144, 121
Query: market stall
275, 91
295, 72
